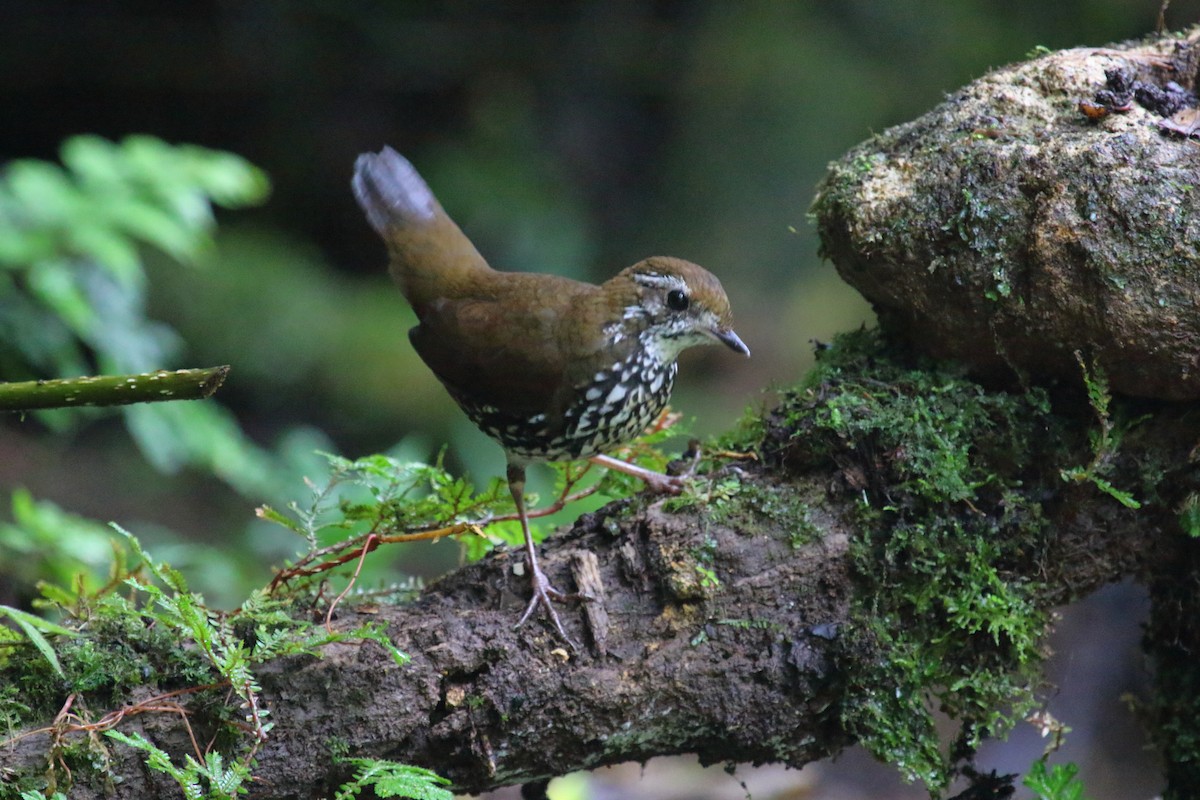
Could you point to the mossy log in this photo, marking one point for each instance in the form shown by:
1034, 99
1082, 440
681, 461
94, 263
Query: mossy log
762, 589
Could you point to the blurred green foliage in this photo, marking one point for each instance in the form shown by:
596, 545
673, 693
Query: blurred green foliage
112, 196
55, 546
73, 285
73, 282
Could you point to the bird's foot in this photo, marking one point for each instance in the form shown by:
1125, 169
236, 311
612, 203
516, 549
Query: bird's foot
545, 595
674, 484
661, 483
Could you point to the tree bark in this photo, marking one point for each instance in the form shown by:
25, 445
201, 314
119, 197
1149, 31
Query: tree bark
750, 667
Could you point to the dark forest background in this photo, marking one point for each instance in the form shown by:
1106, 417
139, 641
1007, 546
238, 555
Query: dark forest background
572, 137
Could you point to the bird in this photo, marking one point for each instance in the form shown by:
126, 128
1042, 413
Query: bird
552, 368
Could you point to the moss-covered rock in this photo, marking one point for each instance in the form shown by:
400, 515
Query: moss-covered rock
1042, 210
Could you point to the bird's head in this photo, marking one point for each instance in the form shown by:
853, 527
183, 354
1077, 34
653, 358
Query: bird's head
677, 305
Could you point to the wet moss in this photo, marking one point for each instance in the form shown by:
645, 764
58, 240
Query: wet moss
936, 468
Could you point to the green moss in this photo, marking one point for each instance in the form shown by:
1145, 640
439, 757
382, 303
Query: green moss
750, 506
775, 504
752, 624
1172, 640
986, 228
936, 464
746, 436
162, 636
691, 574
117, 652
1174, 712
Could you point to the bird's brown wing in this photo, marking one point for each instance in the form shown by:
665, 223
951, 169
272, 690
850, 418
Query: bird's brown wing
480, 352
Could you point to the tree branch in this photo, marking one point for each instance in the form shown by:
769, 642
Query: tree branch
112, 390
755, 666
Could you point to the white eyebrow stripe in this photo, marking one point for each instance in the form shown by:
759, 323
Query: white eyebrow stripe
657, 280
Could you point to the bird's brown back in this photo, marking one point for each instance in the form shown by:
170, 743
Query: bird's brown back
511, 339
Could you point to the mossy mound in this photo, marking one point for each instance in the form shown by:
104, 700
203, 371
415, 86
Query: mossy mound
1047, 208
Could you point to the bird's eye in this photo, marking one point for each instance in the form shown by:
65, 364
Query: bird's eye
677, 300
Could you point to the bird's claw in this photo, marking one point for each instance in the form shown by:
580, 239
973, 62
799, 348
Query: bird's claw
544, 595
674, 484
665, 484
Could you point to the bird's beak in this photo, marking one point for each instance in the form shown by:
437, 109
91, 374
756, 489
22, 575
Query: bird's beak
730, 339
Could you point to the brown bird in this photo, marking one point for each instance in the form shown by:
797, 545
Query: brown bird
552, 368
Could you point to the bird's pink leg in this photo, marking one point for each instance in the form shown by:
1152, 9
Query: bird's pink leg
544, 594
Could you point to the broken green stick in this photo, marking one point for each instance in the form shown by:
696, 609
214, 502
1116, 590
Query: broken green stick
112, 390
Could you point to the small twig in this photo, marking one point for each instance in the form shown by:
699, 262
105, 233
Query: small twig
112, 390
67, 721
250, 698
732, 455
357, 548
585, 568
370, 541
349, 584
360, 546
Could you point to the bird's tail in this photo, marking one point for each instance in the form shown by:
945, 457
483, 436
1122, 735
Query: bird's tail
430, 256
